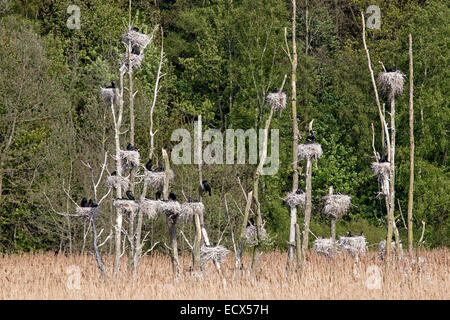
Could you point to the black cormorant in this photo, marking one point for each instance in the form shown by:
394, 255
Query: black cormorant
83, 203
148, 165
204, 187
130, 195
311, 138
393, 69
158, 195
130, 147
172, 196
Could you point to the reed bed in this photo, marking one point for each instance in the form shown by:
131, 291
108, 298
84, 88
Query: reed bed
46, 276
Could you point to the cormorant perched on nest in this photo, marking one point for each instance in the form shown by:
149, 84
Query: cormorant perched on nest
112, 86
114, 173
250, 222
299, 191
130, 147
90, 203
383, 159
393, 69
159, 169
311, 138
148, 165
361, 234
349, 234
172, 196
83, 203
158, 195
135, 50
130, 195
135, 29
205, 186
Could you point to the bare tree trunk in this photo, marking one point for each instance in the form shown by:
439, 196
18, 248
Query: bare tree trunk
117, 125
199, 223
308, 207
241, 240
171, 224
390, 216
411, 148
374, 85
293, 210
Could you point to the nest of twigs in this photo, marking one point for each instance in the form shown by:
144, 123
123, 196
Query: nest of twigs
189, 209
310, 151
87, 211
293, 199
250, 235
129, 159
382, 248
137, 39
353, 245
391, 83
156, 179
149, 208
215, 253
324, 246
382, 171
128, 206
136, 60
336, 205
113, 182
276, 100
110, 95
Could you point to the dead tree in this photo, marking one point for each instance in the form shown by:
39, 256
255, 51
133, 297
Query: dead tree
411, 147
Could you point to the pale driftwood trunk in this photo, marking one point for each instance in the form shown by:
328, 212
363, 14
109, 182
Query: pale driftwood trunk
118, 225
308, 207
241, 240
171, 226
293, 210
411, 147
390, 217
374, 85
198, 221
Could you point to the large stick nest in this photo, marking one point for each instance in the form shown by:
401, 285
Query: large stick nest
189, 209
324, 246
129, 159
382, 248
215, 253
156, 179
382, 171
336, 205
136, 60
277, 101
353, 245
128, 206
87, 211
310, 151
391, 83
149, 208
137, 39
113, 182
293, 199
251, 237
110, 95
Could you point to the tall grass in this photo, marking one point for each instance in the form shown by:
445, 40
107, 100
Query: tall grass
46, 276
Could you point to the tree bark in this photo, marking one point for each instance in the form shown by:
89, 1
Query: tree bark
198, 221
390, 217
411, 148
308, 207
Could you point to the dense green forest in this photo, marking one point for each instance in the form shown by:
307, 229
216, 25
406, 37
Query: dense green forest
221, 58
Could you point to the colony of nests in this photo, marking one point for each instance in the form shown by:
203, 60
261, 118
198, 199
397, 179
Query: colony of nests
294, 199
128, 206
156, 179
353, 245
276, 100
336, 205
382, 171
138, 42
214, 253
309, 151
